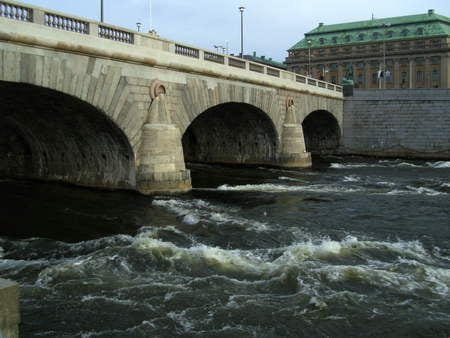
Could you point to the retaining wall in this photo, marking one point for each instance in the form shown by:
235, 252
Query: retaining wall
397, 123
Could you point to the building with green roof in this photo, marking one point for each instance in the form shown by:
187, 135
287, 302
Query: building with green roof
401, 52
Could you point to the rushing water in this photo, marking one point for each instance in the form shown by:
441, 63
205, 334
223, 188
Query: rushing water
350, 248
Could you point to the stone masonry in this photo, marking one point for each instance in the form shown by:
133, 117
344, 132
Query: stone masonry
400, 123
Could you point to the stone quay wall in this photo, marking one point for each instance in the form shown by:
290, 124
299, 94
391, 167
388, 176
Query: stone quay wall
411, 123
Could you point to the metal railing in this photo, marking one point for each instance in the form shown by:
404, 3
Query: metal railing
52, 19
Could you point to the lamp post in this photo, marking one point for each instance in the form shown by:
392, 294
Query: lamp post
241, 9
138, 24
101, 10
384, 25
309, 57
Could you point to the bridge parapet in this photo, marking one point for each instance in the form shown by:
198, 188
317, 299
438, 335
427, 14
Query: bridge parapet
254, 72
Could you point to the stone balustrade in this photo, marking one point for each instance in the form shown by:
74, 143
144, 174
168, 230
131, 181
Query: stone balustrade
24, 12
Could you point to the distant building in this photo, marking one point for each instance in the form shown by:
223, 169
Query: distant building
265, 61
401, 52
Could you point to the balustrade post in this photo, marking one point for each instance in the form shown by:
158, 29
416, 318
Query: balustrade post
93, 28
38, 16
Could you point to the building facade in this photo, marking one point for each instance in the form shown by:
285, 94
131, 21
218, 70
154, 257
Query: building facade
400, 52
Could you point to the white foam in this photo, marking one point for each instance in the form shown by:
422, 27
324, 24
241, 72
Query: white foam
351, 178
415, 191
277, 188
190, 219
439, 164
196, 211
285, 178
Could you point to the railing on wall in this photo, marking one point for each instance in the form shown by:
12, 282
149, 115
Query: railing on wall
17, 11
115, 34
66, 23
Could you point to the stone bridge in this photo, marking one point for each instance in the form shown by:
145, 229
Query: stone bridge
97, 105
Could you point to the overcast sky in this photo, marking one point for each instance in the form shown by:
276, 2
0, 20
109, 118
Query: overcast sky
270, 26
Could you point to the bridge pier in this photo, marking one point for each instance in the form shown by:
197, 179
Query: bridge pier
9, 309
161, 167
293, 149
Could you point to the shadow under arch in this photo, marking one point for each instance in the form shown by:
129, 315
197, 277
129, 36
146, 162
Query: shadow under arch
49, 135
231, 133
321, 132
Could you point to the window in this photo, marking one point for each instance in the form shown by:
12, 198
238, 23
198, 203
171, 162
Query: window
420, 76
376, 36
405, 32
435, 60
348, 38
435, 75
321, 41
334, 39
404, 79
420, 31
420, 61
375, 77
389, 34
361, 79
361, 37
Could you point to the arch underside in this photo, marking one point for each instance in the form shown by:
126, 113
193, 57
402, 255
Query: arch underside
322, 132
48, 135
231, 133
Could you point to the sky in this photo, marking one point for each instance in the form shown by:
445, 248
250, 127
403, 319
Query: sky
271, 27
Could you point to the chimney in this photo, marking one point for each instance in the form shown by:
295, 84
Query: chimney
430, 11
320, 24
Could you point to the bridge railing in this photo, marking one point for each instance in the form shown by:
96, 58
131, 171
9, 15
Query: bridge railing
24, 12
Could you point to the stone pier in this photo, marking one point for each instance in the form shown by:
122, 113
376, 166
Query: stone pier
9, 309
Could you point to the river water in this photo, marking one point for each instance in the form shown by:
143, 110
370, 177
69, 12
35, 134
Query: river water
350, 248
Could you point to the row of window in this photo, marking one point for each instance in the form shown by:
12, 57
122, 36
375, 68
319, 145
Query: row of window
378, 47
374, 36
389, 78
434, 60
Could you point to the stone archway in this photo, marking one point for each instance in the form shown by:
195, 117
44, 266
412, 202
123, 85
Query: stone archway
322, 133
231, 133
49, 135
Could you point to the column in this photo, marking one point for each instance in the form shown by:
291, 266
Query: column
367, 75
444, 71
411, 73
397, 74
340, 73
427, 72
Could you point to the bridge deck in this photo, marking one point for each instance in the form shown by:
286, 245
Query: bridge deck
197, 60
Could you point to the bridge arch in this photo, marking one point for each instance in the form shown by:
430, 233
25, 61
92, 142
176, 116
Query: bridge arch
231, 133
49, 135
321, 132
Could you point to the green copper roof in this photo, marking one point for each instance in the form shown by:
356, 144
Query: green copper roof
402, 27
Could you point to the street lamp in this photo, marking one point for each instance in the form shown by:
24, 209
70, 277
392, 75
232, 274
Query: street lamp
384, 25
101, 10
138, 24
309, 57
241, 9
